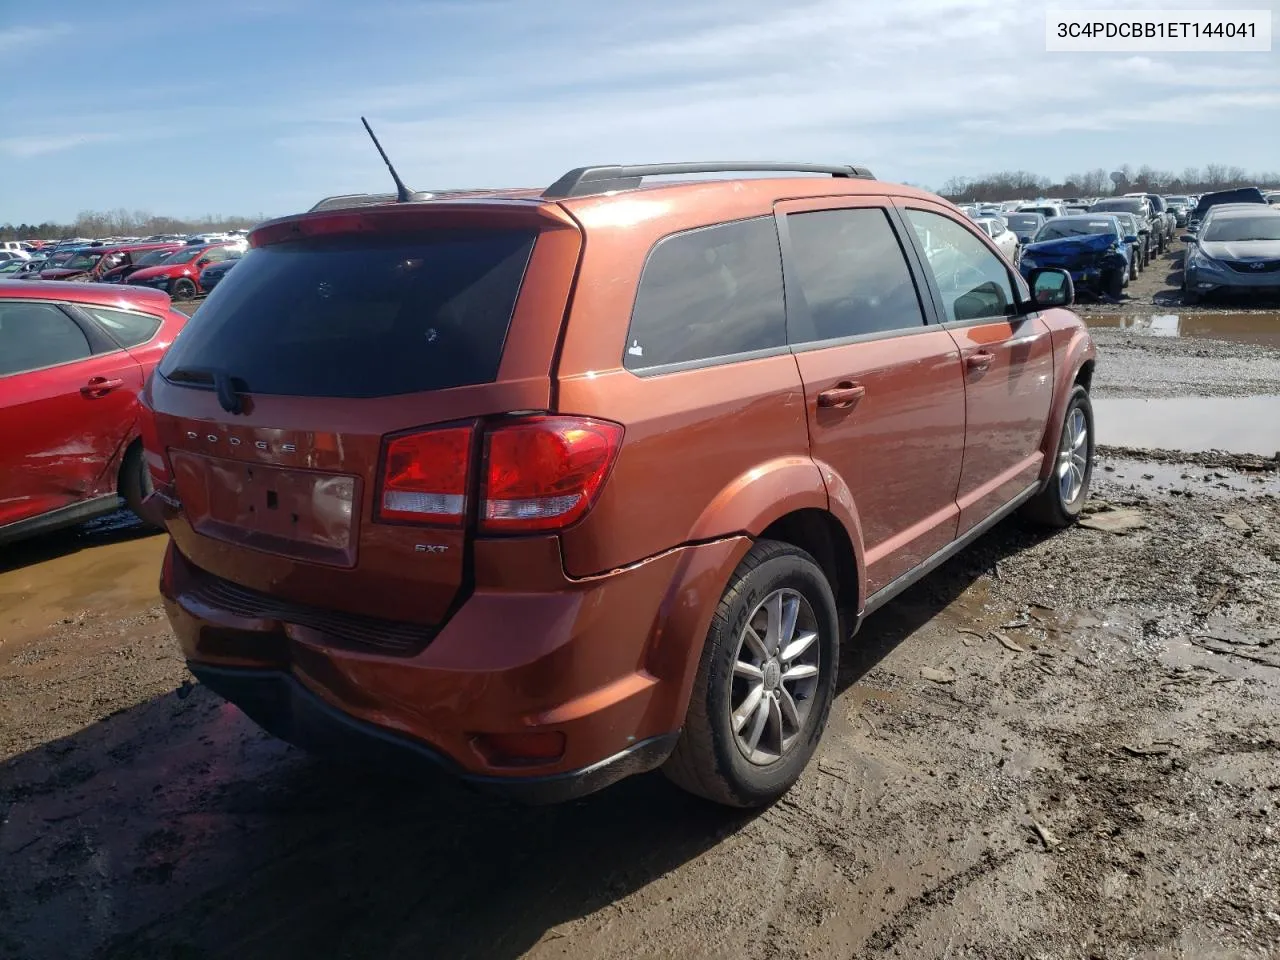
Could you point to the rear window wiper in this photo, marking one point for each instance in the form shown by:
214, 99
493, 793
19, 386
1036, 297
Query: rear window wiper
227, 387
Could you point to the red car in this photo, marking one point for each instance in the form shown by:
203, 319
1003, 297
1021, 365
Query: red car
138, 260
179, 273
93, 263
73, 359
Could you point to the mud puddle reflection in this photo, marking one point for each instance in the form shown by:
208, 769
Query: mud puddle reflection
1185, 479
1259, 329
1191, 424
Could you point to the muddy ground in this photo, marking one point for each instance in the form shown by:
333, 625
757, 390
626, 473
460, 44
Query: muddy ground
1098, 776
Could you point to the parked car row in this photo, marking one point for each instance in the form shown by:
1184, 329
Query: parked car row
175, 265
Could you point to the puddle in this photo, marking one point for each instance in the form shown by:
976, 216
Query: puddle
112, 564
1191, 424
1262, 329
1185, 478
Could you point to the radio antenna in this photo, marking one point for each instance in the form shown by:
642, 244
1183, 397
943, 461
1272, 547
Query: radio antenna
403, 193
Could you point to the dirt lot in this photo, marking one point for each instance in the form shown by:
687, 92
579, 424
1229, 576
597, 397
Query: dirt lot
1098, 776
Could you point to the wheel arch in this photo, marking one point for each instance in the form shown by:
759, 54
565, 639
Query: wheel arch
1079, 358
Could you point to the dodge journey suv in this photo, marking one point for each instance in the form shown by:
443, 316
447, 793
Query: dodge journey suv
547, 488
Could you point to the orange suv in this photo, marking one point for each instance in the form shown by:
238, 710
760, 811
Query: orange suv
551, 488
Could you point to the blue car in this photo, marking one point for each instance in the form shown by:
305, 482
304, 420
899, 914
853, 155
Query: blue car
1094, 249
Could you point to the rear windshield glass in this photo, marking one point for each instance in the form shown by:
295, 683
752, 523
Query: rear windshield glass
360, 317
1243, 195
1126, 205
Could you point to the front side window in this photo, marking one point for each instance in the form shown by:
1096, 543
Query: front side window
709, 294
852, 273
36, 335
972, 280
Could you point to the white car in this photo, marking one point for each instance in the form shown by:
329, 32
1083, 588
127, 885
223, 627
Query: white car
1001, 235
1046, 208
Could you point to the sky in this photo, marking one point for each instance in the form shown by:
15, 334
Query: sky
248, 107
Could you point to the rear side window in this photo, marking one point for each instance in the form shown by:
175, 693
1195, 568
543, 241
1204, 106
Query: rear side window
707, 295
36, 335
852, 273
126, 329
361, 317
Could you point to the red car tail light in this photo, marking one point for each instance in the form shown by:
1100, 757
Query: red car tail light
424, 477
544, 473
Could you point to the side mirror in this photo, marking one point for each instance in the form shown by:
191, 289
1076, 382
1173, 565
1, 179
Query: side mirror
1051, 287
202, 263
1187, 238
1131, 238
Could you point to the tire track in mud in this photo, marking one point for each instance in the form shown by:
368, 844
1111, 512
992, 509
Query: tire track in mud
918, 907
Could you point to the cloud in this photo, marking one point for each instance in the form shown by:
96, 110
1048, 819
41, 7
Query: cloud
36, 145
23, 38
507, 92
928, 89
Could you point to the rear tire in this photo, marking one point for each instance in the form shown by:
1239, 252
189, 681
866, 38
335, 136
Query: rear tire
1059, 504
742, 686
182, 289
135, 481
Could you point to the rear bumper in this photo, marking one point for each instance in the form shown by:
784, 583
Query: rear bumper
282, 706
605, 663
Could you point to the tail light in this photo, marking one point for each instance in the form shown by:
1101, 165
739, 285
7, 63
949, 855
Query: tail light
544, 473
424, 477
539, 474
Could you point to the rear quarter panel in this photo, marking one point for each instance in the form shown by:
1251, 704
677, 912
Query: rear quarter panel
708, 452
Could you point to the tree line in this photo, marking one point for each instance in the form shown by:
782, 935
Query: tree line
1006, 185
123, 223
1021, 185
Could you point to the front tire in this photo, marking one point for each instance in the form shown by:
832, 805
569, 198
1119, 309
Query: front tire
182, 289
1059, 504
765, 681
1113, 283
1133, 266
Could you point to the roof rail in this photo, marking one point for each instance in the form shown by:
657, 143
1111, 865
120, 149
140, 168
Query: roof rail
584, 181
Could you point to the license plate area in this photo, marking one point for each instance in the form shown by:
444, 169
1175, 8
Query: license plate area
305, 514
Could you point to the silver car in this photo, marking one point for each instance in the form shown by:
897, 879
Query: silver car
1237, 250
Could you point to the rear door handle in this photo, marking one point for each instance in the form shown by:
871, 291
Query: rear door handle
980, 360
842, 395
100, 386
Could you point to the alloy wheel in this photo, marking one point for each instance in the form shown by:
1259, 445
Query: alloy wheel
1073, 456
776, 671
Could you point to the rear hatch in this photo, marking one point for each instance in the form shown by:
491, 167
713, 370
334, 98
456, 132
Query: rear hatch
344, 349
